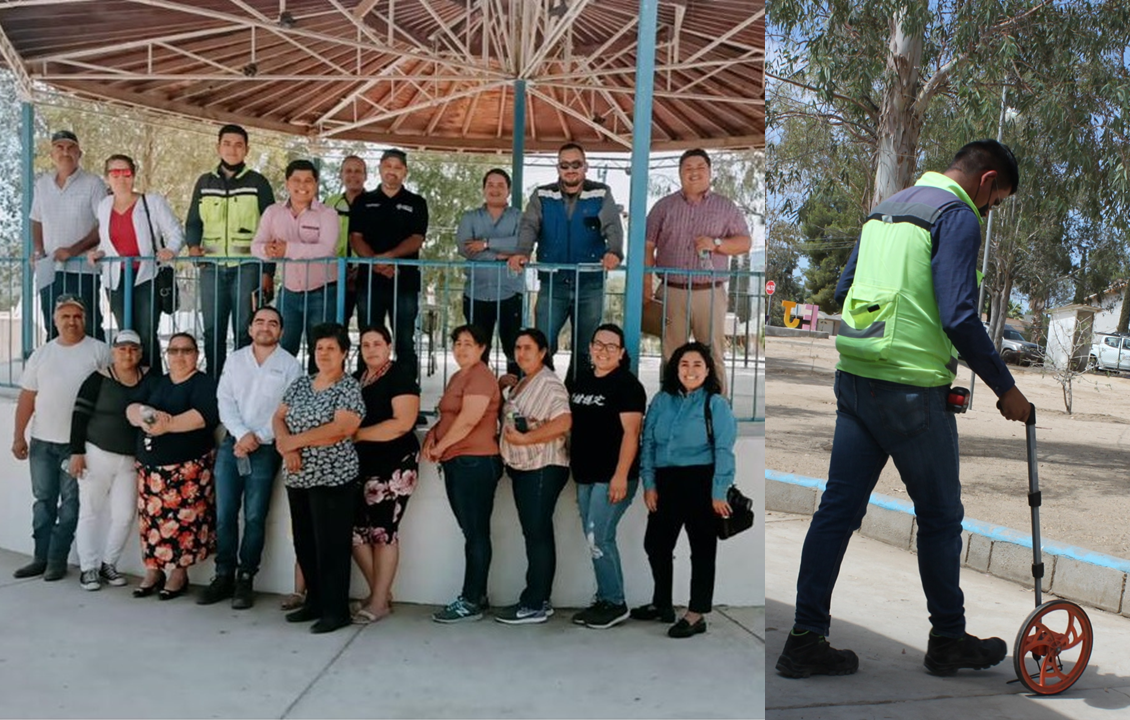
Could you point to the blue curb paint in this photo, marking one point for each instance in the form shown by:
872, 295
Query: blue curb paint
993, 533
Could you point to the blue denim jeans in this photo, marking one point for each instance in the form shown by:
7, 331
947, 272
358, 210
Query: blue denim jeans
470, 481
225, 295
54, 515
535, 495
575, 296
599, 519
876, 420
301, 311
253, 494
84, 285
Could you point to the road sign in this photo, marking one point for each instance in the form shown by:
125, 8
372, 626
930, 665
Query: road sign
770, 287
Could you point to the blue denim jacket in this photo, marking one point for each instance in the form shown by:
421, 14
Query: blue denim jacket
674, 435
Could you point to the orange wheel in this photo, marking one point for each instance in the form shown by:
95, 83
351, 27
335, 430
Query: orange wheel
1053, 648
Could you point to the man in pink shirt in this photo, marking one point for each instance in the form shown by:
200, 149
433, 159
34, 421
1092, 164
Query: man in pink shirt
698, 230
304, 232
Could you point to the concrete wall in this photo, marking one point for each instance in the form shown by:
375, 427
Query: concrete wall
431, 563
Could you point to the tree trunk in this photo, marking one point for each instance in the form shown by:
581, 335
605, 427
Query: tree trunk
899, 121
1124, 316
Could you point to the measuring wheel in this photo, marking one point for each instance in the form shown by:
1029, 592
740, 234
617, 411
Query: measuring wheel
1053, 647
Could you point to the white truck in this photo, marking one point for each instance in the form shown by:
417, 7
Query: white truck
1110, 352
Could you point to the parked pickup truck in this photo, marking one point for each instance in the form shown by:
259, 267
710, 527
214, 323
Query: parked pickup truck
1015, 349
1110, 351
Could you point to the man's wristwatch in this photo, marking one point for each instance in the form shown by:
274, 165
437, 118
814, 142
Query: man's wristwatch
717, 243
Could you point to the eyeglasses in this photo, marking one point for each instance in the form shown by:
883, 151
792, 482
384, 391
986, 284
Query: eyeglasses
575, 165
604, 347
180, 351
120, 172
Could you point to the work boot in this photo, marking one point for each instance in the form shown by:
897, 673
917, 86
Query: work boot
55, 571
220, 588
244, 595
34, 568
807, 653
945, 655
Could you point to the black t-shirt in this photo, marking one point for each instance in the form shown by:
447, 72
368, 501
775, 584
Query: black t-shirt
596, 403
379, 458
100, 413
198, 392
385, 222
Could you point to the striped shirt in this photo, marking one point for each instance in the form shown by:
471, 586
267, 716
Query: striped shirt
674, 222
67, 213
542, 399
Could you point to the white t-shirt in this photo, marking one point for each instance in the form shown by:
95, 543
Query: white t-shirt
55, 372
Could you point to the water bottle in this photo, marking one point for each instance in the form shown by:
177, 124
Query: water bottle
705, 260
66, 467
243, 465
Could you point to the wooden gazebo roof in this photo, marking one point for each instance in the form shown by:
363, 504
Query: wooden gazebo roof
421, 73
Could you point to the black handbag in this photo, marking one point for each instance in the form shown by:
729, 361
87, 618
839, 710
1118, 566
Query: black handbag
165, 284
741, 507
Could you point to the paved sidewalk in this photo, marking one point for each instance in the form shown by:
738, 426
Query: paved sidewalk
65, 652
879, 612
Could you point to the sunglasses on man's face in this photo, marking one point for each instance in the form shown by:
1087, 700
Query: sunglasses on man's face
575, 165
120, 173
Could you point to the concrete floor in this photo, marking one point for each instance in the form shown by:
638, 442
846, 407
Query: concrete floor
65, 652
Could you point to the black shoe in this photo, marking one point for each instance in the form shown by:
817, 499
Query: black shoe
604, 615
302, 614
652, 612
55, 572
142, 591
221, 588
810, 654
684, 629
582, 616
34, 568
945, 656
243, 597
326, 625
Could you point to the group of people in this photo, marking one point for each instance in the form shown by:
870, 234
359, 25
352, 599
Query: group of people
84, 227
111, 441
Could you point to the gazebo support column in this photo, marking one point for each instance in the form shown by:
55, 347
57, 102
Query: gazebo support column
27, 175
518, 161
641, 149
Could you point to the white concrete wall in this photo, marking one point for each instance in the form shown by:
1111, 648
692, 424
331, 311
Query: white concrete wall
1061, 330
1107, 320
431, 563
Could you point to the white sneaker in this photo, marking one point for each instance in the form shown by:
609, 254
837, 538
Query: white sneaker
89, 580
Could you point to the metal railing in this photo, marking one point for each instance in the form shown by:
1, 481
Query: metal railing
736, 328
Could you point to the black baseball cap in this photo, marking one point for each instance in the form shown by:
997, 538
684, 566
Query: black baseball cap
64, 136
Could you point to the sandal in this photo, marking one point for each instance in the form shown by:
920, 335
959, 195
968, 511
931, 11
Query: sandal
293, 601
365, 616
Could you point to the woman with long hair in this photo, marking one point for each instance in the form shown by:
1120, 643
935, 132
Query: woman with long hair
685, 478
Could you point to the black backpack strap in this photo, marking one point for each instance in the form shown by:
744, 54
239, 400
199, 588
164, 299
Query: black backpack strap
708, 415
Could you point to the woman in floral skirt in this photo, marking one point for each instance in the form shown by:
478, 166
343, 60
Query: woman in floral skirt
389, 456
175, 452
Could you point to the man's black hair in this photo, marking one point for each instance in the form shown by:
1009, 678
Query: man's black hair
694, 152
232, 129
296, 165
982, 156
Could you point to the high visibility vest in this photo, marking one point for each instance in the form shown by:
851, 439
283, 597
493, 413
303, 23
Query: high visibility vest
891, 327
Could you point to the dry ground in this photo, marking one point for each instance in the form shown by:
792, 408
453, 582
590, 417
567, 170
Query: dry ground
1084, 458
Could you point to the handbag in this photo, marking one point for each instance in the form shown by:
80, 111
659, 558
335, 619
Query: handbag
165, 284
741, 507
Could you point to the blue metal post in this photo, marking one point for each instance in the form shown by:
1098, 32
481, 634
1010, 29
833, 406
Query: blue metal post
27, 173
339, 299
637, 206
518, 160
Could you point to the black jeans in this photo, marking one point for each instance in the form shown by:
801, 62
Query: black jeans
144, 318
535, 495
470, 481
400, 304
507, 313
321, 519
684, 499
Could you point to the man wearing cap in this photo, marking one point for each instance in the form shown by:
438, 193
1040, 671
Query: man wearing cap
390, 222
250, 390
64, 225
50, 384
223, 216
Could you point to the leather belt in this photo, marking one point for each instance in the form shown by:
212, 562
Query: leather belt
694, 286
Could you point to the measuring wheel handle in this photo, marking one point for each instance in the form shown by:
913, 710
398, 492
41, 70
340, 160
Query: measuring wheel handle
1048, 661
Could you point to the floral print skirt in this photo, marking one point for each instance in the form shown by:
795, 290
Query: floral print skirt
383, 498
176, 510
